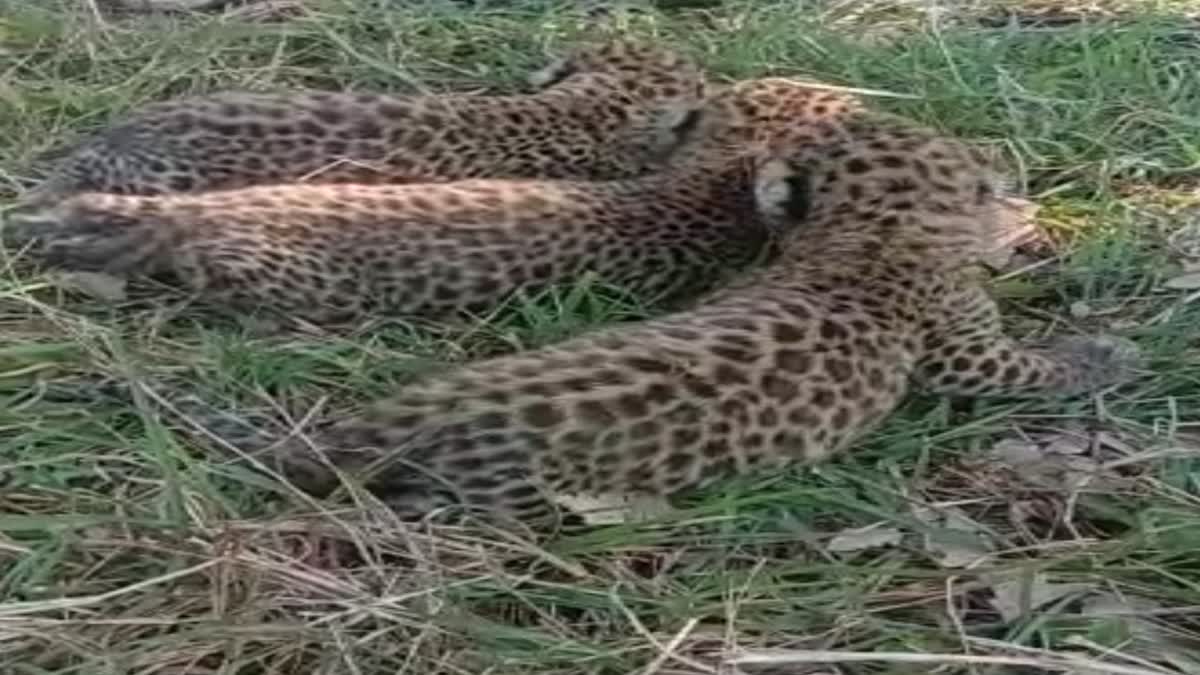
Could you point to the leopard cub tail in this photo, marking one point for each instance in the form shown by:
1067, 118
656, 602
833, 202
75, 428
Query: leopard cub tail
93, 232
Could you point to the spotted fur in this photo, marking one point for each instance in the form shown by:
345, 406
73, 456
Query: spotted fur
597, 114
793, 363
332, 252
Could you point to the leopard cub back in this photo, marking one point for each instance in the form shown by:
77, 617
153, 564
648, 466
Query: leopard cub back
605, 111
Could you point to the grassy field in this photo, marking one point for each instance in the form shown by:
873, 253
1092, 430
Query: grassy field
985, 538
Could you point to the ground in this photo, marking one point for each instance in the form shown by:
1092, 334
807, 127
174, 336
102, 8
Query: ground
1021, 536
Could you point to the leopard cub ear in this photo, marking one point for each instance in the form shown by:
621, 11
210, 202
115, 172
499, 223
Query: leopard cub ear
680, 118
782, 191
673, 126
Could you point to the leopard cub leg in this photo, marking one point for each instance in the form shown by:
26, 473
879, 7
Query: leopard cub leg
967, 354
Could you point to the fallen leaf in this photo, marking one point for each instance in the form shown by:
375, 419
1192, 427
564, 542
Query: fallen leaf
1124, 616
94, 284
1015, 452
1059, 461
957, 541
1067, 445
1110, 441
1184, 282
1015, 598
863, 538
613, 509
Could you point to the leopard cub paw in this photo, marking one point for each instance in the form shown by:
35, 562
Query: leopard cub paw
1098, 361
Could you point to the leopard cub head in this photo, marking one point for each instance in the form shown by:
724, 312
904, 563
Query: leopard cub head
739, 122
639, 70
881, 183
659, 95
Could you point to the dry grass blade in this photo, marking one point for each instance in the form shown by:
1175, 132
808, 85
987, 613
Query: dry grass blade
1048, 661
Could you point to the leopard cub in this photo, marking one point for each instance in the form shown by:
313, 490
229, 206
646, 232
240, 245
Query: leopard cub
874, 291
595, 114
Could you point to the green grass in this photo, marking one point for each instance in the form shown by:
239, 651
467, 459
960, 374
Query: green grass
131, 544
